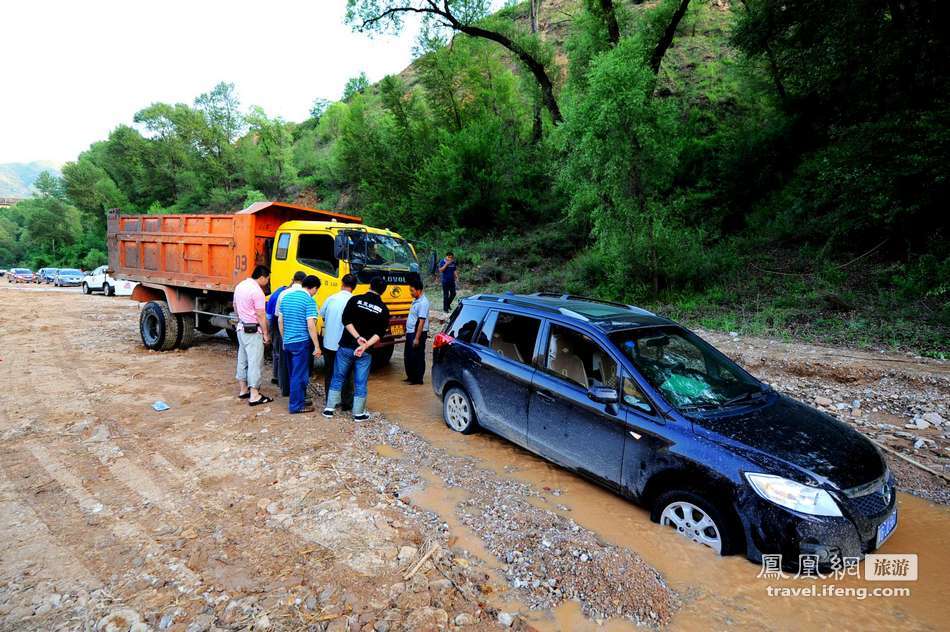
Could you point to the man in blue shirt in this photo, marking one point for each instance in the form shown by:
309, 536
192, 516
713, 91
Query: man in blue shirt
278, 363
332, 314
417, 329
450, 277
298, 328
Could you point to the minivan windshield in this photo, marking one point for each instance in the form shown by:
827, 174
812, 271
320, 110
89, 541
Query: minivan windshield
689, 373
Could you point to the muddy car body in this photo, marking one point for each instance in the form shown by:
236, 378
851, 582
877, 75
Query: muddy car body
646, 408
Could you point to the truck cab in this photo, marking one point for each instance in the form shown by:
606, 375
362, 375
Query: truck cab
330, 250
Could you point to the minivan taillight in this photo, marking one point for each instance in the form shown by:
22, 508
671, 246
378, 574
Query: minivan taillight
442, 340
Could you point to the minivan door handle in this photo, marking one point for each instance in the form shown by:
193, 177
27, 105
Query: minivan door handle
545, 397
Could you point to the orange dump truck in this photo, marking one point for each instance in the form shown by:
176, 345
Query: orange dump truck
187, 265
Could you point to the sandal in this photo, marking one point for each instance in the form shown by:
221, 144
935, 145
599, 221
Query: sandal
245, 395
263, 400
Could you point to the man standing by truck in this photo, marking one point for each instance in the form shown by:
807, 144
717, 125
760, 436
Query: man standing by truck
332, 313
252, 332
365, 320
417, 328
298, 328
278, 361
450, 276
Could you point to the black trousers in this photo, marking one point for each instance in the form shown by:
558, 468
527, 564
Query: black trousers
415, 357
448, 295
346, 397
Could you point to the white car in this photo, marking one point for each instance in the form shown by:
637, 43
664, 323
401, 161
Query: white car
99, 280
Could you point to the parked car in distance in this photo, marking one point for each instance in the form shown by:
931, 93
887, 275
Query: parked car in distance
68, 277
648, 409
45, 275
99, 280
20, 275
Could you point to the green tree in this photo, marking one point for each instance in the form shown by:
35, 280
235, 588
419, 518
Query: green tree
622, 148
471, 17
267, 154
355, 85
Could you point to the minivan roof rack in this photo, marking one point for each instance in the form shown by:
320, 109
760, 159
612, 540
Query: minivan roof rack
588, 299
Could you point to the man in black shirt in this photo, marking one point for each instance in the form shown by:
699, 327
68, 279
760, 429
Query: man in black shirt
365, 320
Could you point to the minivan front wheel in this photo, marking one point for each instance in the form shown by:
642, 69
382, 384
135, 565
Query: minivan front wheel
696, 519
458, 412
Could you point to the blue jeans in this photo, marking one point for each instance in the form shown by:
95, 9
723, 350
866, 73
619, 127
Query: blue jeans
345, 358
298, 356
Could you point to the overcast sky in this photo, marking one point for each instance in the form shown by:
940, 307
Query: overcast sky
72, 71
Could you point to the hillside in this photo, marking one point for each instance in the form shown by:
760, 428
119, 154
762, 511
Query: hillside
17, 178
760, 167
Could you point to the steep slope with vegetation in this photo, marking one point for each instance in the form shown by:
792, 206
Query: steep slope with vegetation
758, 165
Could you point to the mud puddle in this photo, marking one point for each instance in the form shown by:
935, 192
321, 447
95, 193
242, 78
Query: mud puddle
716, 592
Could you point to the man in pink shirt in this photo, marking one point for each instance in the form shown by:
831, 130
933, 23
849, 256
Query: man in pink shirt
252, 334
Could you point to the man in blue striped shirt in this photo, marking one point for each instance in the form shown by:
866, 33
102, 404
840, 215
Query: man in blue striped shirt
297, 318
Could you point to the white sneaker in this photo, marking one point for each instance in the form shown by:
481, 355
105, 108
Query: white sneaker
328, 413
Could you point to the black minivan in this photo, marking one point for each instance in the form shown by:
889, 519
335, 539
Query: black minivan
647, 408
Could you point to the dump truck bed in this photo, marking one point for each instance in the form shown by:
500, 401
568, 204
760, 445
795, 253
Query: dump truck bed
203, 252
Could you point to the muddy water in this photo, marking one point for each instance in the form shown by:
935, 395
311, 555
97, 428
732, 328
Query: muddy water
717, 592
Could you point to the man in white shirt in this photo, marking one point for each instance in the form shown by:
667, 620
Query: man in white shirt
332, 314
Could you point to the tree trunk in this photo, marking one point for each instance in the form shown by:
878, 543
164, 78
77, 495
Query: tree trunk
610, 18
666, 40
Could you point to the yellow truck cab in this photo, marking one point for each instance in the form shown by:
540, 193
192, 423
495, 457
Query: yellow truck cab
331, 249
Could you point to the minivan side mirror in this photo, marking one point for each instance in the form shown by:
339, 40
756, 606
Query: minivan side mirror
603, 395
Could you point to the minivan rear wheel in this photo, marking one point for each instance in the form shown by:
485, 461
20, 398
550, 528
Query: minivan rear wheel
458, 412
695, 518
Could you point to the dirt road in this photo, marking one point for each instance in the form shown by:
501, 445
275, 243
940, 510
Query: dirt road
213, 515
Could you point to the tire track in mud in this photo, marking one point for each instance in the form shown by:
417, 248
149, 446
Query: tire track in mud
123, 486
69, 512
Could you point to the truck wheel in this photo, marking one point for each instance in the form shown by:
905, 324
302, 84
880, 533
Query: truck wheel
205, 326
108, 289
186, 330
158, 326
85, 288
382, 356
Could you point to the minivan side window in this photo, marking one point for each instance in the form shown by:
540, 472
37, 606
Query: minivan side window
511, 336
466, 321
574, 357
633, 395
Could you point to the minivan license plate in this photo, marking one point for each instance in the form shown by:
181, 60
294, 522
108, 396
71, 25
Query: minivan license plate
886, 528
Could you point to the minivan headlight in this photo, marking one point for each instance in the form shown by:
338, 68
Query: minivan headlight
792, 495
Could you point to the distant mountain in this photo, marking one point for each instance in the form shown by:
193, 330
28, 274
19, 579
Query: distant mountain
17, 178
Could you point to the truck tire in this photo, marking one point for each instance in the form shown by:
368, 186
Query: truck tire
186, 330
108, 290
158, 326
382, 356
205, 326
232, 335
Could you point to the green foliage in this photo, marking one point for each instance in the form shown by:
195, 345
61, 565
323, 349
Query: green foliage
253, 196
355, 85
